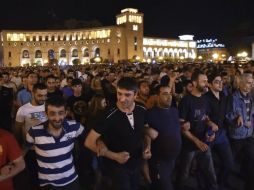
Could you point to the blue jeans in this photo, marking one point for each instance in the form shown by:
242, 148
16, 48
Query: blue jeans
222, 148
205, 170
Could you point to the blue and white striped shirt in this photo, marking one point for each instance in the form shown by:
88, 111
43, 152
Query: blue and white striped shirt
54, 155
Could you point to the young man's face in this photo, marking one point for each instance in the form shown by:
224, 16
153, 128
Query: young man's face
125, 97
189, 87
77, 88
165, 97
51, 83
56, 116
111, 77
144, 89
32, 79
6, 78
217, 84
58, 83
40, 96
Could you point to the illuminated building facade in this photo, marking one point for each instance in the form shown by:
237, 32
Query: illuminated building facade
211, 50
124, 41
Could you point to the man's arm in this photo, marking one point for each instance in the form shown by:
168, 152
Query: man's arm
19, 127
94, 143
149, 135
12, 169
202, 146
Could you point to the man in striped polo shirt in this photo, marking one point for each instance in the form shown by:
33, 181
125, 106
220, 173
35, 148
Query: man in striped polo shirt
54, 142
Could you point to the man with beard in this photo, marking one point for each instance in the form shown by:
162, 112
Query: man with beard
166, 143
54, 142
51, 87
29, 115
143, 93
122, 132
195, 123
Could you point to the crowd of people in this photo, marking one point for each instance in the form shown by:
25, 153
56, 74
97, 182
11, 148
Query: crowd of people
126, 126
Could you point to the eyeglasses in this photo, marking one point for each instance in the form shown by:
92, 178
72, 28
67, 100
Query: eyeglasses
217, 81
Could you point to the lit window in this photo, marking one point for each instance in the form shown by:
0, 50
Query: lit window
135, 27
25, 54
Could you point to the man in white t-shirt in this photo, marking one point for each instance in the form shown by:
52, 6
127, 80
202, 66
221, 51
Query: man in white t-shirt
29, 115
32, 113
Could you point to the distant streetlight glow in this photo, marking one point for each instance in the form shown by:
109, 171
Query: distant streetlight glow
215, 56
242, 54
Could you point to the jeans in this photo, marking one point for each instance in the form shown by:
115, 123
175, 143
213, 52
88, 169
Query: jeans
160, 172
205, 170
117, 178
243, 151
225, 155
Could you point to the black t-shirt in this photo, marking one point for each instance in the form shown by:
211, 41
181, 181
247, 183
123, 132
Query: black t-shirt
78, 102
56, 93
217, 108
118, 135
168, 143
195, 110
165, 80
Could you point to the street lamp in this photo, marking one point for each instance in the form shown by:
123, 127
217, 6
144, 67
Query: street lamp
137, 58
97, 59
200, 57
215, 56
242, 54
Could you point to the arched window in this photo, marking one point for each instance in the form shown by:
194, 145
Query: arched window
63, 53
74, 53
97, 52
25, 54
38, 54
86, 52
51, 54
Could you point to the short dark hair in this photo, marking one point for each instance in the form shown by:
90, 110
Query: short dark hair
212, 76
75, 82
158, 88
186, 82
39, 86
142, 82
50, 77
54, 101
195, 75
128, 83
30, 73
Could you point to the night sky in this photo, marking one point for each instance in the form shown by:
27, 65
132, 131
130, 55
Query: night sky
230, 21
